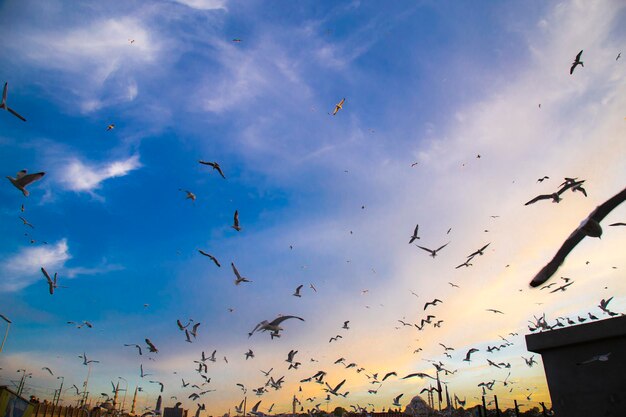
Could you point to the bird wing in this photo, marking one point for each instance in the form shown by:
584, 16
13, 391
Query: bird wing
280, 319
426, 249
339, 385
235, 270
539, 197
569, 185
418, 374
26, 179
149, 343
575, 237
16, 114
441, 247
236, 218
389, 374
219, 169
46, 275
578, 56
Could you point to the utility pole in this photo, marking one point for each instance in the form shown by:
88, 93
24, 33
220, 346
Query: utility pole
125, 390
60, 390
85, 393
7, 331
20, 387
132, 411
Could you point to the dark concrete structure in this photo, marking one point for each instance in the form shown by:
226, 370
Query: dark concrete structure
581, 383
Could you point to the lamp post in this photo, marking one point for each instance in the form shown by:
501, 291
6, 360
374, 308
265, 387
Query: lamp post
125, 390
6, 333
62, 378
20, 388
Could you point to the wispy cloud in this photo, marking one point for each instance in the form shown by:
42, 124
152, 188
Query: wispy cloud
22, 269
82, 177
204, 4
88, 64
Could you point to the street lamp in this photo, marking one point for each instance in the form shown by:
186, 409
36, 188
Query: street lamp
20, 388
125, 390
7, 331
62, 378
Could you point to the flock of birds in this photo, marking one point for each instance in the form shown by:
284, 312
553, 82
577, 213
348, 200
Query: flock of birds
442, 370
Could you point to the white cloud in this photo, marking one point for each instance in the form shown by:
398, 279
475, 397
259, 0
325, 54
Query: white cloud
204, 4
79, 176
89, 62
22, 269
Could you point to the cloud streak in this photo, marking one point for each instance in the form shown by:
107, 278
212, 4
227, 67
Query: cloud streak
79, 176
22, 269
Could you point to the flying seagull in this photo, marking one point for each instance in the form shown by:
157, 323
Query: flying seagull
3, 104
52, 283
335, 390
480, 251
433, 253
414, 236
151, 346
239, 279
211, 257
22, 179
236, 221
215, 165
297, 293
396, 401
45, 368
576, 62
191, 196
433, 303
419, 375
26, 223
273, 326
556, 197
388, 374
137, 346
339, 106
588, 227
469, 353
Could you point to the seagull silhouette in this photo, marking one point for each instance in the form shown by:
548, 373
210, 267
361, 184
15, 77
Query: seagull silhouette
556, 197
151, 346
239, 278
576, 62
414, 236
588, 227
236, 221
432, 252
23, 178
211, 257
433, 303
215, 166
52, 283
469, 353
339, 106
297, 293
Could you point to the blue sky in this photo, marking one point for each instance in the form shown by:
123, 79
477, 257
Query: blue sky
436, 83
